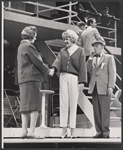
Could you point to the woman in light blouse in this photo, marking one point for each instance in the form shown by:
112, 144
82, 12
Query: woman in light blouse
73, 74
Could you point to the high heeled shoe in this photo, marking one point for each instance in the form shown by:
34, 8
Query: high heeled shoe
24, 135
34, 136
73, 137
64, 136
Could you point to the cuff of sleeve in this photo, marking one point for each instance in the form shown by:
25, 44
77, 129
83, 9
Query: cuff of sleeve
90, 58
55, 69
81, 82
47, 72
111, 87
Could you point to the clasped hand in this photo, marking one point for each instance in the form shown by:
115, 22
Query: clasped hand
51, 73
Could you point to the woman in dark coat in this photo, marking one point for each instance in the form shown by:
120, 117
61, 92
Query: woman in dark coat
30, 66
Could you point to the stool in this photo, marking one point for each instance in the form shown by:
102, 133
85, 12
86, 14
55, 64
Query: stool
44, 92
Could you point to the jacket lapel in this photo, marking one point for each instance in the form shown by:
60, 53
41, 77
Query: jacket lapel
94, 62
102, 59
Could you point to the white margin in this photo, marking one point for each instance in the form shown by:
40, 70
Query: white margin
2, 69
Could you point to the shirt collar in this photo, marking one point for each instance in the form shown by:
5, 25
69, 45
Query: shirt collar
89, 27
101, 54
72, 49
25, 41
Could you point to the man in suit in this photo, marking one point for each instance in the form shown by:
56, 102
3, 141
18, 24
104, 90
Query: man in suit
103, 77
89, 35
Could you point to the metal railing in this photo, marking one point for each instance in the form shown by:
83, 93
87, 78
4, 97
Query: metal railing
111, 31
69, 16
48, 8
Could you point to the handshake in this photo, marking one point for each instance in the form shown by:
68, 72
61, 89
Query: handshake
51, 73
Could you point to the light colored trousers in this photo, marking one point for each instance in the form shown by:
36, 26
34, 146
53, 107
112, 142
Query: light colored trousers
69, 93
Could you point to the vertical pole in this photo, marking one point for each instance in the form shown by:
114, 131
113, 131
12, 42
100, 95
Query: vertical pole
115, 27
43, 111
9, 5
70, 13
37, 9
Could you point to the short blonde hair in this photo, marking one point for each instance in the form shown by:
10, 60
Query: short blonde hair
70, 34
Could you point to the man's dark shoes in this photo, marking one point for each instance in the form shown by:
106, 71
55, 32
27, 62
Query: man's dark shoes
98, 136
106, 136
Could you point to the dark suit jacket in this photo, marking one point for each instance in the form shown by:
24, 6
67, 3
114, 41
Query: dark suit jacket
30, 64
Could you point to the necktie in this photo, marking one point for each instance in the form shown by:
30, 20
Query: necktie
96, 55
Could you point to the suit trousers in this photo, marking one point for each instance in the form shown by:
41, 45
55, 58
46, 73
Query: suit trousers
101, 106
69, 93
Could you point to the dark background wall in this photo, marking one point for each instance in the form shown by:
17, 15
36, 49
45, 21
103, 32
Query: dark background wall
115, 10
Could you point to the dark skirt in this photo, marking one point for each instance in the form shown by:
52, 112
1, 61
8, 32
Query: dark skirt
30, 97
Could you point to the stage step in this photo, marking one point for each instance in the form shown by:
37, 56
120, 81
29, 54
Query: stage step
90, 97
113, 99
115, 108
56, 132
115, 118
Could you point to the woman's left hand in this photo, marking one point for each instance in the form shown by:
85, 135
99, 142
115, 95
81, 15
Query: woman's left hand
81, 87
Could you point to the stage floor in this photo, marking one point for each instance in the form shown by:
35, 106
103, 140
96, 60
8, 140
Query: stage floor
11, 139
62, 143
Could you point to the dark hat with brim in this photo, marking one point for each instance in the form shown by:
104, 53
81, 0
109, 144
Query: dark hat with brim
98, 42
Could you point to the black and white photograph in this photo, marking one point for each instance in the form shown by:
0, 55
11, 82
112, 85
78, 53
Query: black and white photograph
61, 74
